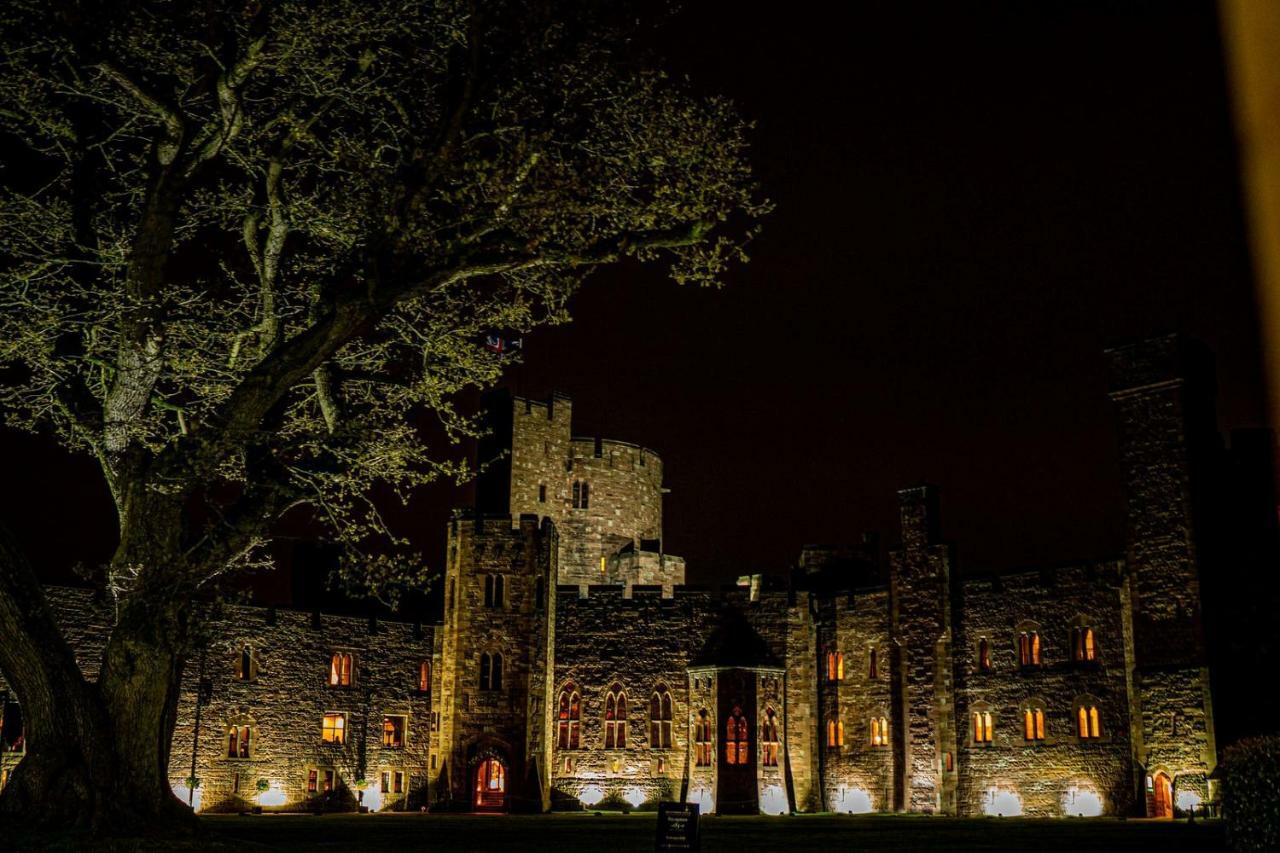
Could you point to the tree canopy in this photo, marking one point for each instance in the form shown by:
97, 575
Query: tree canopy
246, 243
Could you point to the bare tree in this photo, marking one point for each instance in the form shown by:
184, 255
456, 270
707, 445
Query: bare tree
246, 243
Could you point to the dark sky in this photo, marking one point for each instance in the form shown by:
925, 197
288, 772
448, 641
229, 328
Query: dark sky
970, 206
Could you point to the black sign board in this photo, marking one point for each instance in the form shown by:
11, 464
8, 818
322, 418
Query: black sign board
678, 826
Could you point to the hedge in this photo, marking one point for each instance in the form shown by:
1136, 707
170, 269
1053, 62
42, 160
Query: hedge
1251, 794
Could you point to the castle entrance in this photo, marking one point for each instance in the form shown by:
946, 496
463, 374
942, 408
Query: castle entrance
1163, 796
491, 786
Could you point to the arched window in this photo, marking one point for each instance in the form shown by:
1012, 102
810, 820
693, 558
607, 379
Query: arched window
247, 666
569, 718
240, 740
873, 665
879, 731
737, 738
491, 671
660, 716
495, 591
1033, 723
769, 739
615, 718
835, 666
1088, 720
982, 727
424, 676
984, 655
835, 733
1029, 646
702, 739
1084, 644
342, 669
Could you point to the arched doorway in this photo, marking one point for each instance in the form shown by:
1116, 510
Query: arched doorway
491, 786
1162, 795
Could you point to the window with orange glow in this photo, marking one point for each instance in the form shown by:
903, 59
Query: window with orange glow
737, 734
1033, 724
569, 719
333, 728
982, 727
341, 669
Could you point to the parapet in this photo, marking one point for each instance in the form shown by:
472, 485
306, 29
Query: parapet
1159, 362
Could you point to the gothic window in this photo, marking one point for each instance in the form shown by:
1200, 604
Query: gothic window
835, 733
491, 671
769, 739
247, 665
1084, 644
879, 731
984, 655
239, 741
494, 590
835, 666
737, 736
393, 727
333, 728
569, 719
660, 716
424, 676
1088, 720
615, 718
982, 727
702, 739
1033, 723
342, 669
1029, 647
873, 665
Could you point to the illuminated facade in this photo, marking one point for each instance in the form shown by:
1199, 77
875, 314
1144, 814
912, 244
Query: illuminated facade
574, 667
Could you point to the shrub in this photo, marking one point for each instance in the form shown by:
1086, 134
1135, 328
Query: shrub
1250, 797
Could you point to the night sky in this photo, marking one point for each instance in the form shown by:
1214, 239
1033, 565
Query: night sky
970, 206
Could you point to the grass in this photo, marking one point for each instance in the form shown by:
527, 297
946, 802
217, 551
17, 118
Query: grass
615, 833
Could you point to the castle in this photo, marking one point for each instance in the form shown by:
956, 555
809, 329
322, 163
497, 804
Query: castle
574, 667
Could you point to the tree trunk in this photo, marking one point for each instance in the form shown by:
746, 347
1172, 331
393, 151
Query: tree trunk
96, 754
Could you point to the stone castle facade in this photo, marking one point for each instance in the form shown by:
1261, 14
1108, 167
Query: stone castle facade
573, 665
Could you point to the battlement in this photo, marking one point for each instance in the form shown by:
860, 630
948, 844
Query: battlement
557, 406
1105, 574
469, 522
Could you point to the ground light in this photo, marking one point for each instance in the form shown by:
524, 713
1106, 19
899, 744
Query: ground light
591, 795
773, 800
1001, 802
852, 801
1081, 802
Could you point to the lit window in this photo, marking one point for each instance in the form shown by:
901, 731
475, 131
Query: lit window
313, 781
1088, 722
393, 732
835, 733
984, 654
569, 719
1029, 648
982, 727
491, 671
737, 738
341, 669
879, 731
615, 718
1033, 724
702, 739
835, 666
333, 728
424, 676
769, 739
660, 717
239, 742
1084, 645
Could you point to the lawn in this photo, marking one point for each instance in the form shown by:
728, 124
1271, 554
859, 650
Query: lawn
614, 833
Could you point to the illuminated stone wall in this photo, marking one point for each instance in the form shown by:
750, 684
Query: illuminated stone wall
1044, 777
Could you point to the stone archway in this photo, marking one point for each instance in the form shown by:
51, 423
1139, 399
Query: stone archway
489, 788
1161, 795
